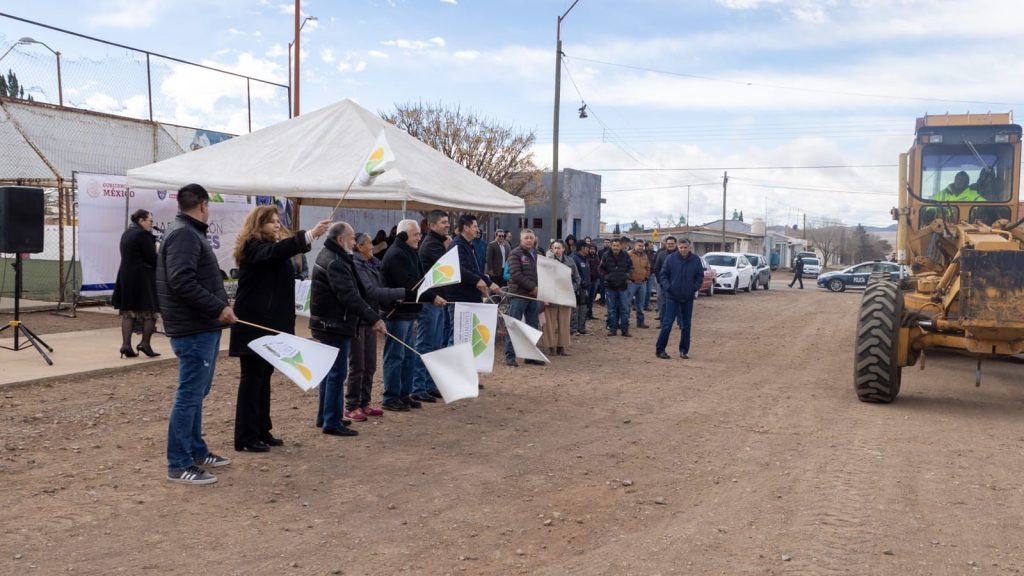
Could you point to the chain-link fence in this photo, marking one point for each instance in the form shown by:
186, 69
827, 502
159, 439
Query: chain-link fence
73, 103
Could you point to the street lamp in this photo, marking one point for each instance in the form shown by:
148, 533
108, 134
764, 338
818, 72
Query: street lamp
295, 42
60, 88
558, 98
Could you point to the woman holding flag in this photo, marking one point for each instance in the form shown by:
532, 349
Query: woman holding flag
266, 295
556, 316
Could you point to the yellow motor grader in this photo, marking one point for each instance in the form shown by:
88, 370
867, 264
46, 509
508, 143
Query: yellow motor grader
959, 237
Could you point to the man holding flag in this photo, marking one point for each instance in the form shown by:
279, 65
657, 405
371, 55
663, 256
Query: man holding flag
401, 269
337, 306
432, 332
475, 283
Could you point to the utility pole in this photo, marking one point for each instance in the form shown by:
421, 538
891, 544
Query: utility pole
805, 228
558, 99
295, 83
725, 184
687, 222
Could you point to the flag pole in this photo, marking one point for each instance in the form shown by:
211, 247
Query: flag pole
396, 339
260, 327
342, 199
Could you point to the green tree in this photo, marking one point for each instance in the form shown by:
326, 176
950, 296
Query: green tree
617, 231
635, 227
681, 221
497, 153
11, 87
737, 215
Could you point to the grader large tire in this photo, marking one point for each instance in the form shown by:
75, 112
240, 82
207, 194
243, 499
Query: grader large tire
876, 373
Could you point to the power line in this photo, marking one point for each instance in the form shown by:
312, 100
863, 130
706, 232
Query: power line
822, 167
795, 89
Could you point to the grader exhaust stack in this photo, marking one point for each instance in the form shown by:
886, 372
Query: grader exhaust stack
960, 233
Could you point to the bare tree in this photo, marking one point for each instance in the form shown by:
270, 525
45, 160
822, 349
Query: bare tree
828, 238
499, 154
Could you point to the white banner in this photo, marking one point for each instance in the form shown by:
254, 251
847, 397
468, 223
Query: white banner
524, 339
105, 203
554, 282
477, 324
444, 272
302, 294
453, 370
303, 361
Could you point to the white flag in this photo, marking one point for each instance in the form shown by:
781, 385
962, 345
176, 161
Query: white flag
303, 361
378, 161
476, 324
524, 339
453, 370
444, 272
554, 282
302, 293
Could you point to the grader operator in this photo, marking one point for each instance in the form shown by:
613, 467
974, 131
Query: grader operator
960, 235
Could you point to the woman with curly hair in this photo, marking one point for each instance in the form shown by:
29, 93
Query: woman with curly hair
266, 296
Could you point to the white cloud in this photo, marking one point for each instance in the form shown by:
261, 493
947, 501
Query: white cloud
435, 42
466, 55
235, 32
277, 50
452, 2
327, 55
126, 13
377, 54
746, 4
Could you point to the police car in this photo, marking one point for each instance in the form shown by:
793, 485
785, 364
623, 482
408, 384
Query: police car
857, 276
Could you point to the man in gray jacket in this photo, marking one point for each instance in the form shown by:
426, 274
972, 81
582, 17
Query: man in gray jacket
194, 307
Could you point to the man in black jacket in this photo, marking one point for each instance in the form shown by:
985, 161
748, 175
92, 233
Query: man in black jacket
431, 326
401, 269
194, 306
659, 261
337, 307
616, 266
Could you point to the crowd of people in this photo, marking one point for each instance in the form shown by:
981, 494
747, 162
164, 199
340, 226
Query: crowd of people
363, 287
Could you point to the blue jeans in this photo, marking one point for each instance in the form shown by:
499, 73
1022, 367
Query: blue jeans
652, 287
399, 361
430, 336
448, 336
680, 312
636, 299
618, 310
332, 389
197, 360
521, 309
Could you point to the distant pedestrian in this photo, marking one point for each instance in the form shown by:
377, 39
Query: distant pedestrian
798, 273
680, 278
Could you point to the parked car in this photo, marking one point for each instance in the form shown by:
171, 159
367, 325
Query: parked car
762, 271
812, 267
734, 272
803, 255
708, 286
857, 276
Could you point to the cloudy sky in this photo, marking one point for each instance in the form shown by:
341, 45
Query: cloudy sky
806, 103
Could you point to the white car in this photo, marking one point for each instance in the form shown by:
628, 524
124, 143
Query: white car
734, 272
812, 267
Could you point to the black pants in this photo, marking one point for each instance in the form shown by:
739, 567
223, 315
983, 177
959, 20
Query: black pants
362, 365
252, 412
797, 277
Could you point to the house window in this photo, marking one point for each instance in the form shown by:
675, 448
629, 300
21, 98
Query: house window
538, 223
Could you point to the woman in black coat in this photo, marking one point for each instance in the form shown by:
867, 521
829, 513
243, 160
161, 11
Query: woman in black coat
135, 290
266, 296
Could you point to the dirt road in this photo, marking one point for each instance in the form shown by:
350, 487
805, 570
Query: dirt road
753, 457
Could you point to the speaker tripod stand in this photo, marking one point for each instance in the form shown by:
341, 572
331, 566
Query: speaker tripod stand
16, 324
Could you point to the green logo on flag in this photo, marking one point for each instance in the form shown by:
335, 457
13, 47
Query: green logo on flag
481, 336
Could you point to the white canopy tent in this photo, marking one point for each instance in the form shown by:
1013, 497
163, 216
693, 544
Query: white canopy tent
316, 156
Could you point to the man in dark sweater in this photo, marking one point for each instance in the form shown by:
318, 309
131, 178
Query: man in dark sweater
616, 266
659, 260
431, 327
194, 307
402, 269
680, 277
337, 307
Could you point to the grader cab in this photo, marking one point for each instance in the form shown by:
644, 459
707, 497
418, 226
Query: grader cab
960, 235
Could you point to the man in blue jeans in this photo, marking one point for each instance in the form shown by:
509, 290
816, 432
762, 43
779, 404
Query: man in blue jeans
402, 269
431, 334
616, 266
680, 277
337, 306
522, 265
194, 306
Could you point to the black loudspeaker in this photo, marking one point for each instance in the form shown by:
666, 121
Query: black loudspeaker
21, 219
